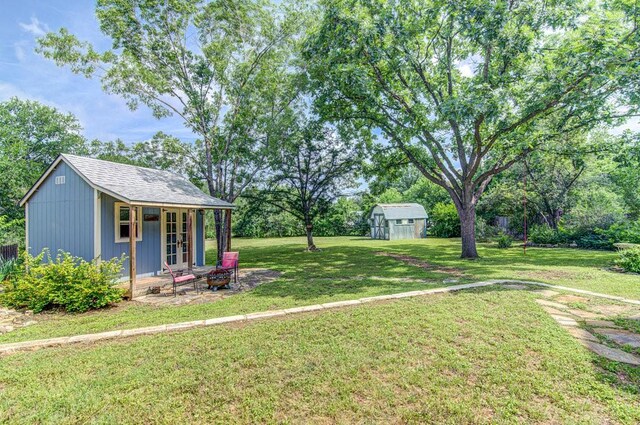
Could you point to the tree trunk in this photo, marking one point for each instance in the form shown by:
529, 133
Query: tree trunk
310, 245
221, 233
467, 216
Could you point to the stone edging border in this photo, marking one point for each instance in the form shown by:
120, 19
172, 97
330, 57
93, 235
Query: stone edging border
151, 330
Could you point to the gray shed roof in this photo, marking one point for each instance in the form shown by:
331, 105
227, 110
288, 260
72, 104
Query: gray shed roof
398, 211
138, 185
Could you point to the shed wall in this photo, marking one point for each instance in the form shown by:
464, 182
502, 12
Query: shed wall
60, 216
148, 254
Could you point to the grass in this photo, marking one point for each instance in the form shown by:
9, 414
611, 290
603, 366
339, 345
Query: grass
349, 268
484, 356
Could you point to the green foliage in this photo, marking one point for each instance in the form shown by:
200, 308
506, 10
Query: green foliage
398, 67
11, 231
445, 221
68, 283
629, 260
260, 220
485, 231
504, 241
543, 234
9, 267
343, 218
32, 135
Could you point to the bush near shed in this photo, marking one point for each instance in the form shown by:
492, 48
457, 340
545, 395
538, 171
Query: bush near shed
68, 283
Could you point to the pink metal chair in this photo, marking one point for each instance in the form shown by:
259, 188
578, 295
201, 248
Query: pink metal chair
230, 264
181, 279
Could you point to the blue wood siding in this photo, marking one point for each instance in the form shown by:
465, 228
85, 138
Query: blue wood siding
61, 215
199, 238
147, 250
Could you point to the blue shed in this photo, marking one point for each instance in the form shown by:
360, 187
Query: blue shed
83, 206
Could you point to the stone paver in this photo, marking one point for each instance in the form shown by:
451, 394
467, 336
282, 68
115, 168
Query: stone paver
612, 353
564, 320
552, 304
572, 299
555, 311
620, 337
601, 323
515, 286
581, 334
584, 314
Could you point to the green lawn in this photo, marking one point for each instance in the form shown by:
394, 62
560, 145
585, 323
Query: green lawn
482, 356
349, 268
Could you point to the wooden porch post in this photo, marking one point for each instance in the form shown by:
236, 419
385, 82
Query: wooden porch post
228, 225
132, 249
190, 239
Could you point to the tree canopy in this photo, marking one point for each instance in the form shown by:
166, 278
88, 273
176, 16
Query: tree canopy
220, 65
465, 89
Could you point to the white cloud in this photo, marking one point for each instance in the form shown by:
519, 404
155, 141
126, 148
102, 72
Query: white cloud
36, 27
21, 55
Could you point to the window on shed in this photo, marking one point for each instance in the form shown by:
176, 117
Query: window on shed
399, 221
410, 221
122, 222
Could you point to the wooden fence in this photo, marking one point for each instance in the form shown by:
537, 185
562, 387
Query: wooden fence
9, 251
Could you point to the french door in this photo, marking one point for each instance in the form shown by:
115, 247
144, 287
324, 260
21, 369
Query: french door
175, 240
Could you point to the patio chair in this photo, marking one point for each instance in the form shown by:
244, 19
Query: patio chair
229, 265
179, 278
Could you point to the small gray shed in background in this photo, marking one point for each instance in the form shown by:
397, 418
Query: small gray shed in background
398, 221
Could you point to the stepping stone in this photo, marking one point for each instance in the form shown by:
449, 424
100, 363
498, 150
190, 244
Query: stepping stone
451, 281
548, 293
564, 320
620, 337
552, 304
572, 299
612, 353
584, 314
601, 324
552, 310
581, 334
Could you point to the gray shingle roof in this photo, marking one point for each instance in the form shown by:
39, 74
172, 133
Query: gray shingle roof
398, 211
142, 185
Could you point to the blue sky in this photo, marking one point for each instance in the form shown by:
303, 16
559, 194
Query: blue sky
25, 74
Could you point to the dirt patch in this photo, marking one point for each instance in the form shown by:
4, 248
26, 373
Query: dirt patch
247, 280
413, 261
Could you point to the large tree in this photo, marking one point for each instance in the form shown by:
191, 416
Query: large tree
32, 135
460, 87
220, 65
313, 163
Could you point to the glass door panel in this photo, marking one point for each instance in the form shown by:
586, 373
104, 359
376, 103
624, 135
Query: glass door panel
171, 235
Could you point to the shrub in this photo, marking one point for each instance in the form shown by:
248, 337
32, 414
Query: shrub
484, 231
8, 268
543, 234
68, 283
629, 260
445, 221
504, 241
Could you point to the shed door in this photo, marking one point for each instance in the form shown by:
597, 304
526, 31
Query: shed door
176, 244
379, 228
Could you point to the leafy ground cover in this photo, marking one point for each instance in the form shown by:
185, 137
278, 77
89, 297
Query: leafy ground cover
482, 356
352, 267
